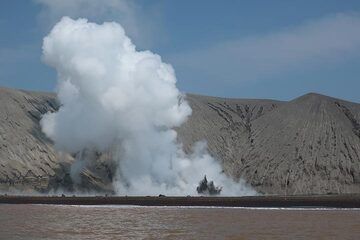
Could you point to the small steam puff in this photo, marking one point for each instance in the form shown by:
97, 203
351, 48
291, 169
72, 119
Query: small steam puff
112, 95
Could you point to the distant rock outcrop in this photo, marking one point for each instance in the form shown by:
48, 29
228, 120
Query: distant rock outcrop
310, 145
208, 188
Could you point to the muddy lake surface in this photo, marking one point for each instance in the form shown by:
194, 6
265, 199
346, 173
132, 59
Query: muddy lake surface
28, 221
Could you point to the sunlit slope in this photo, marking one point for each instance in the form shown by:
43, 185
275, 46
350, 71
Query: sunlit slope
27, 159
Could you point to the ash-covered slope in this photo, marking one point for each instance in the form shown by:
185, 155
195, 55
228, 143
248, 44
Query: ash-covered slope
306, 146
309, 145
27, 159
225, 124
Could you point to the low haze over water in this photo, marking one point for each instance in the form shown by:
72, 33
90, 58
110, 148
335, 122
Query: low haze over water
131, 222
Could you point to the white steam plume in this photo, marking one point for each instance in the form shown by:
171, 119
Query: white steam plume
112, 95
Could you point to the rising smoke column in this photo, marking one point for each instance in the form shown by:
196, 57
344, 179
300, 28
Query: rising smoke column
113, 95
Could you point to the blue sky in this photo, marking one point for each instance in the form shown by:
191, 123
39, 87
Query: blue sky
245, 49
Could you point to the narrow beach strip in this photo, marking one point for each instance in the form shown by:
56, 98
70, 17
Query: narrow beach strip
322, 201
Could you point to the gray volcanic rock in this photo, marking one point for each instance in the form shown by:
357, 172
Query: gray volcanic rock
310, 145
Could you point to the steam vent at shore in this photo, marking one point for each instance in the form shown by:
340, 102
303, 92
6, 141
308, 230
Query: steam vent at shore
310, 145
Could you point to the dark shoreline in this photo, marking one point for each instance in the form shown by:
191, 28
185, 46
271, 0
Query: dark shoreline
326, 201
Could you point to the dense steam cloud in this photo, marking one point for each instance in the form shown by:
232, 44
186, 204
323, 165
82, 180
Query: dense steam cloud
115, 98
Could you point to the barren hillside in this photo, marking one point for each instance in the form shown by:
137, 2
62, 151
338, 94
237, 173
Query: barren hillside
305, 146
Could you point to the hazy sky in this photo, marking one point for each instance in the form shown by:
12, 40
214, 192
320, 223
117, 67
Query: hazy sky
246, 49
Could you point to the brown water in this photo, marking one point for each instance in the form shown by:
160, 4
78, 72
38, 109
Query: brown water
130, 222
